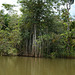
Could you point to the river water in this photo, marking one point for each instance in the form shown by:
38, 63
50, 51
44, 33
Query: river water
36, 66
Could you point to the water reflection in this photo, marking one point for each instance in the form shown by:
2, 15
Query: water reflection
36, 66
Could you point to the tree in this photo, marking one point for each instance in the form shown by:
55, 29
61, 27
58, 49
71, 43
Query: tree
9, 32
41, 30
38, 20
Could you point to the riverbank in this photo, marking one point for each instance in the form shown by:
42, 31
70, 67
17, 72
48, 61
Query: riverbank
64, 57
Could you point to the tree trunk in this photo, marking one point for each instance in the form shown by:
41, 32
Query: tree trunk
26, 47
30, 46
34, 51
40, 45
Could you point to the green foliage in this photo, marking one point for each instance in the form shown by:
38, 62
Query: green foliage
8, 6
9, 34
38, 31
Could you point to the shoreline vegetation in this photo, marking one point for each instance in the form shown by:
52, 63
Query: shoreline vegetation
41, 30
63, 57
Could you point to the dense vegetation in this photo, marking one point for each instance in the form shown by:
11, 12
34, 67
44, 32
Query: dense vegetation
42, 30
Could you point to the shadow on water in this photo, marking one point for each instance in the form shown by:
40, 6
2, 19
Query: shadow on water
36, 66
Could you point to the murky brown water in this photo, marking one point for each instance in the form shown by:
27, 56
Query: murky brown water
36, 66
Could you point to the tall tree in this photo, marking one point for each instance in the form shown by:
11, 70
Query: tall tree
37, 15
